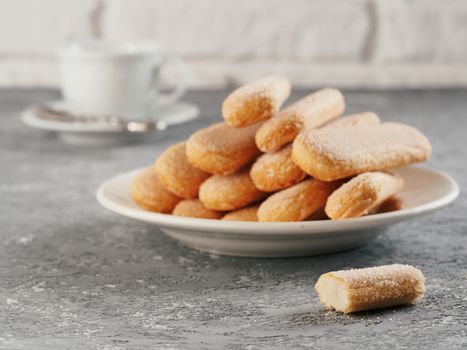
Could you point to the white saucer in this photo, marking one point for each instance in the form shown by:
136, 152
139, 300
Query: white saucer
97, 134
425, 190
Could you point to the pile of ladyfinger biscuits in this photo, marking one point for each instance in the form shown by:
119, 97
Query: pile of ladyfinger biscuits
267, 163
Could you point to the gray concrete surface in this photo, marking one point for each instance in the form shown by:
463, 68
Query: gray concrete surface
75, 276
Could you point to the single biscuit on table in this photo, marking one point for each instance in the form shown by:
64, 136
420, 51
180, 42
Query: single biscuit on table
358, 119
298, 202
148, 193
371, 288
245, 214
362, 194
177, 174
193, 208
222, 149
255, 101
313, 111
329, 154
275, 171
229, 192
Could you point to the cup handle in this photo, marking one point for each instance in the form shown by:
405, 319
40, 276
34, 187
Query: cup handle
182, 80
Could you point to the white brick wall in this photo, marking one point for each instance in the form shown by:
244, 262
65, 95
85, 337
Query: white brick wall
33, 28
351, 43
421, 31
299, 30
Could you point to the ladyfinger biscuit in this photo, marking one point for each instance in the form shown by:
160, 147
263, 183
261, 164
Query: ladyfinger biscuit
358, 119
177, 174
362, 194
275, 171
193, 208
313, 111
222, 149
245, 214
296, 203
334, 153
371, 288
255, 101
148, 193
229, 192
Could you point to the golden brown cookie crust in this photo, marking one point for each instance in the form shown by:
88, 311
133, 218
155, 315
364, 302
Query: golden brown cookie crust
221, 149
194, 208
312, 111
298, 202
148, 193
245, 214
177, 174
229, 192
362, 194
357, 119
275, 171
370, 288
255, 101
329, 154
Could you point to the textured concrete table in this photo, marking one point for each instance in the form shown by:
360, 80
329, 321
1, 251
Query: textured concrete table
75, 276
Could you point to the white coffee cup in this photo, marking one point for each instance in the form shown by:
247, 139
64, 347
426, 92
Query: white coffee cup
118, 80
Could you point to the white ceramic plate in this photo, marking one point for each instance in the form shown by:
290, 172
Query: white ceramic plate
97, 134
425, 190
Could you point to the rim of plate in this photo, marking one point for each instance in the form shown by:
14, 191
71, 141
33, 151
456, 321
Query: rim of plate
272, 228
